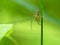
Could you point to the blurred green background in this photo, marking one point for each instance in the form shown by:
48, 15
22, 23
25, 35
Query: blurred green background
19, 12
51, 24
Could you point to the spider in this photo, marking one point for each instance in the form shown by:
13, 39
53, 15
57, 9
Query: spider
37, 18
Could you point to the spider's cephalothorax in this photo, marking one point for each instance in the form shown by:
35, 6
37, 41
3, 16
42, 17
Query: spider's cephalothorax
37, 17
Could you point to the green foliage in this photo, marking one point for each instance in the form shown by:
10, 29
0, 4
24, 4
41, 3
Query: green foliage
19, 12
4, 28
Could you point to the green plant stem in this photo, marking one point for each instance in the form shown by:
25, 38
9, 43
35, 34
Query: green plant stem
13, 40
41, 31
41, 5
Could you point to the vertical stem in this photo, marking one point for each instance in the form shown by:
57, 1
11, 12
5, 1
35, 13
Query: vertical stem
41, 31
41, 6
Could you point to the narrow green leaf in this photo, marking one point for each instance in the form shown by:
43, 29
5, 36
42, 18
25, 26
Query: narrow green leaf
4, 28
